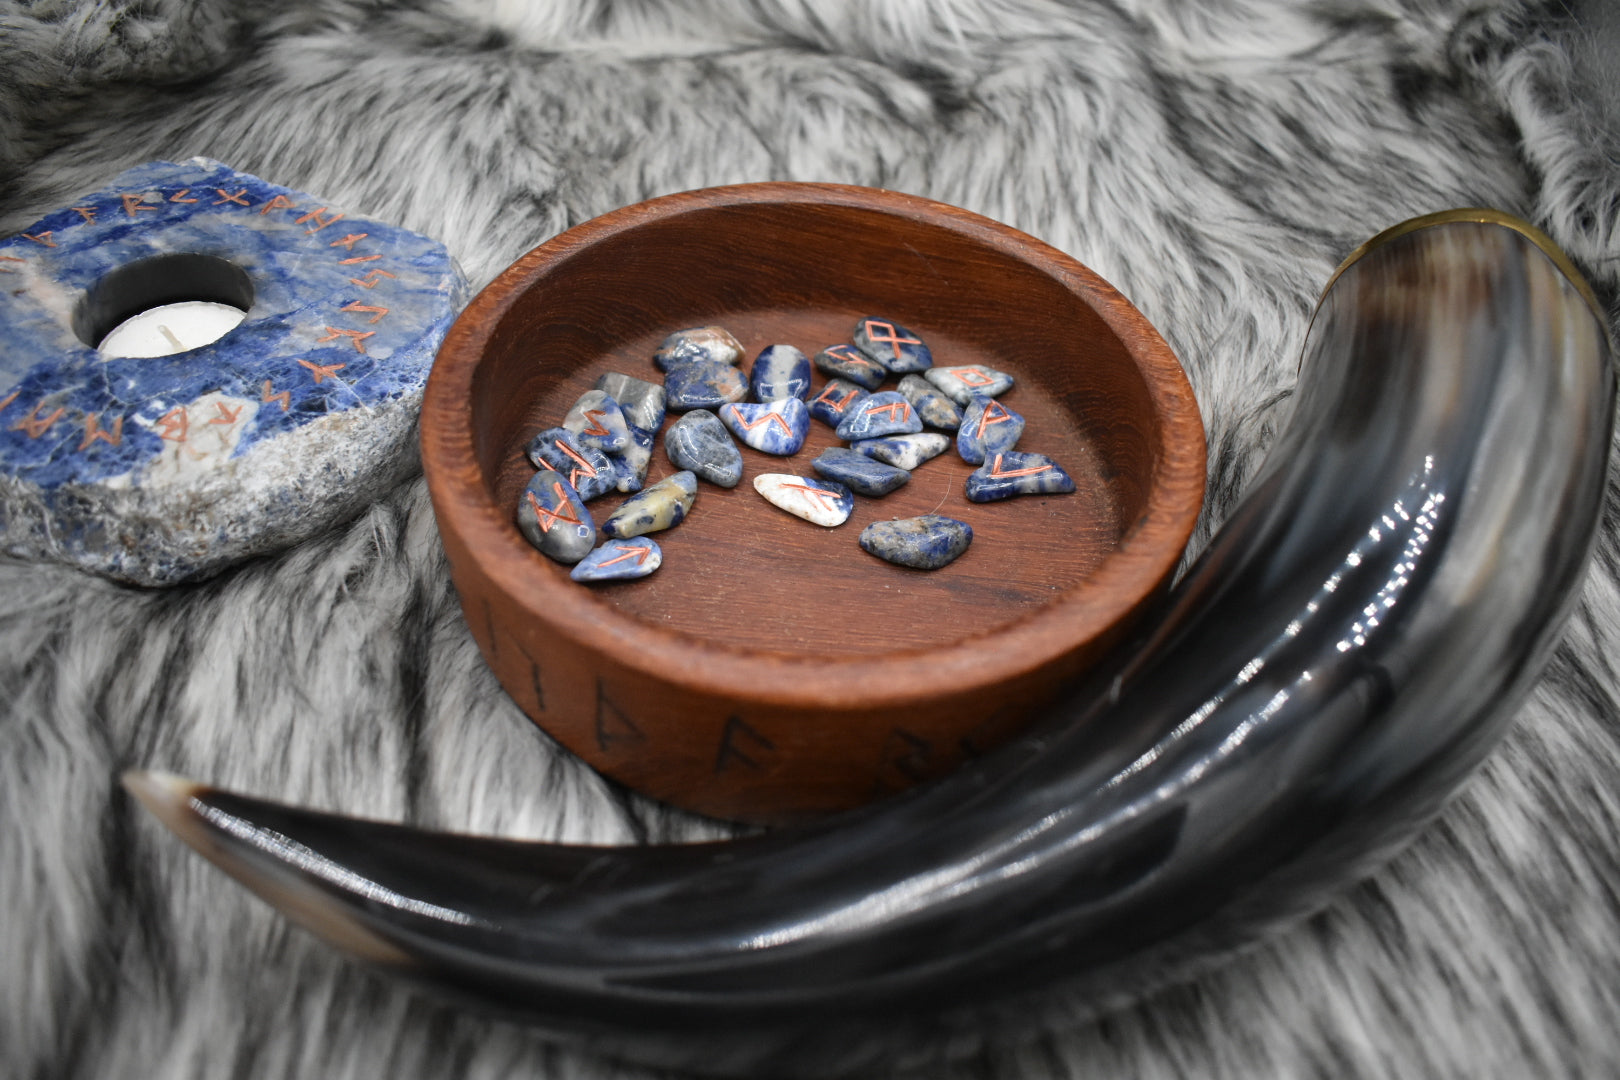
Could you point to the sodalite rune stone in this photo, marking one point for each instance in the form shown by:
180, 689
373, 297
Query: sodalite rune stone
160, 470
922, 543
774, 427
630, 464
698, 441
960, 384
1013, 473
848, 362
642, 401
885, 413
892, 345
903, 451
988, 427
703, 384
662, 506
780, 371
935, 408
834, 400
553, 518
588, 470
619, 560
698, 343
820, 502
597, 421
859, 473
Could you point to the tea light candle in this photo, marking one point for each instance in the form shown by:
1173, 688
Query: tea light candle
171, 328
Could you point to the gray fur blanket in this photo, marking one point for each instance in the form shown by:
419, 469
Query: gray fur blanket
1214, 160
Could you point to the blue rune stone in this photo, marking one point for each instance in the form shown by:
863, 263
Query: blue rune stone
597, 421
820, 502
960, 384
713, 343
703, 384
988, 427
922, 543
620, 560
698, 441
1013, 473
892, 345
587, 469
662, 506
885, 413
780, 371
859, 473
835, 401
848, 362
630, 464
642, 401
935, 408
161, 470
773, 427
553, 518
903, 451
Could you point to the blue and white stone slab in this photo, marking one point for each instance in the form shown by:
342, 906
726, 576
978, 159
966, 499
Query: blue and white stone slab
698, 441
849, 363
774, 427
662, 506
960, 384
159, 470
936, 410
780, 371
703, 384
904, 451
820, 502
713, 343
642, 401
552, 517
859, 473
1013, 473
597, 421
587, 470
619, 560
884, 413
835, 400
630, 464
988, 428
922, 543
892, 345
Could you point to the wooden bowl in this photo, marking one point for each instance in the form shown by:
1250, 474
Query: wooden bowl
771, 670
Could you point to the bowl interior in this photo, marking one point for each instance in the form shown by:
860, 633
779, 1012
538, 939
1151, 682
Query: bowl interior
740, 574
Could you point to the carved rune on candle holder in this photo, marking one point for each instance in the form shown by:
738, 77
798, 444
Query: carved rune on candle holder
161, 468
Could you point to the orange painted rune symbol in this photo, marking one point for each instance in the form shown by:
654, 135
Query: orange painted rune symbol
994, 413
890, 336
829, 499
548, 518
995, 470
904, 414
638, 553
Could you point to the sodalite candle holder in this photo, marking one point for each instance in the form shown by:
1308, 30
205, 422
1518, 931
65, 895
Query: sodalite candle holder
159, 470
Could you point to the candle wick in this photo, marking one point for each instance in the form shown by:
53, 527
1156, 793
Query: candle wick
178, 347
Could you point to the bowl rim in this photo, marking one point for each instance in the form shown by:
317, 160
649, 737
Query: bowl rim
1143, 560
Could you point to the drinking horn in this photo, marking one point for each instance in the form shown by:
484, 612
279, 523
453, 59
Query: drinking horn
1347, 649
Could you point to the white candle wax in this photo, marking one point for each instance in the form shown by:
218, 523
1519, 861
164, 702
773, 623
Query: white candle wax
172, 328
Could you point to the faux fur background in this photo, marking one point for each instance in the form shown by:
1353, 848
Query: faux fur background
1213, 159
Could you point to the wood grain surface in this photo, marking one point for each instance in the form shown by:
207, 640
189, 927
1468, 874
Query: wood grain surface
771, 670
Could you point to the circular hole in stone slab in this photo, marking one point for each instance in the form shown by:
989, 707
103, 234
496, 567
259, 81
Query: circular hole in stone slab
163, 305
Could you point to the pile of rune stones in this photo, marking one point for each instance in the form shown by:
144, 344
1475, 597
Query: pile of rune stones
605, 444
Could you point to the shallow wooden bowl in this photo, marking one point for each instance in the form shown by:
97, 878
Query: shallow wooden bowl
771, 670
